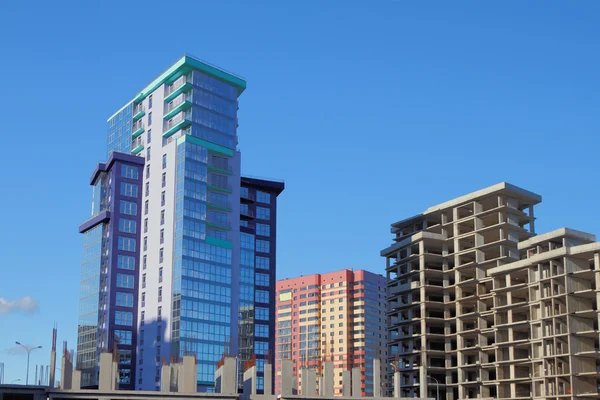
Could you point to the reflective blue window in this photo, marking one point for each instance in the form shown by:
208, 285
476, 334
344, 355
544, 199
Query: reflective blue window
263, 197
129, 171
127, 225
263, 246
261, 347
262, 262
126, 262
126, 244
125, 281
124, 336
261, 296
129, 189
261, 313
124, 299
263, 213
123, 318
262, 279
263, 230
261, 330
128, 207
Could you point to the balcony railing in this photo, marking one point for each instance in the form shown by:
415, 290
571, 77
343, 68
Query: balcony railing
221, 224
248, 196
176, 123
224, 205
177, 87
137, 145
219, 185
138, 111
247, 213
137, 128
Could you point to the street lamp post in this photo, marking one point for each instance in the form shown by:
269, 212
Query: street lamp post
29, 350
437, 387
532, 376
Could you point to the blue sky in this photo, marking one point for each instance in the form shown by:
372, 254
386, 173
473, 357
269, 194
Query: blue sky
370, 110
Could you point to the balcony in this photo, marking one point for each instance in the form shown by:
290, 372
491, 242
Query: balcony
180, 103
219, 187
220, 168
176, 123
138, 112
223, 206
137, 145
219, 224
248, 196
247, 213
137, 129
182, 84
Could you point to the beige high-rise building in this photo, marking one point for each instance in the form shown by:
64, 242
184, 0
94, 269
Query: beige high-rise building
481, 307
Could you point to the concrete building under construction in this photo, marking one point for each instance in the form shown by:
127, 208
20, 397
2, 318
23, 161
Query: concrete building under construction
481, 307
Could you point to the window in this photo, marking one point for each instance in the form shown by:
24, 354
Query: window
262, 246
148, 171
160, 274
261, 348
149, 136
263, 197
162, 236
162, 217
222, 235
263, 230
125, 281
146, 205
159, 318
123, 318
244, 192
128, 171
164, 179
161, 253
261, 313
124, 299
128, 207
150, 102
262, 262
126, 244
124, 356
149, 118
261, 296
162, 198
143, 299
159, 294
144, 262
143, 281
127, 225
147, 189
129, 189
123, 336
146, 225
261, 331
164, 163
126, 262
145, 243
263, 213
262, 279
142, 314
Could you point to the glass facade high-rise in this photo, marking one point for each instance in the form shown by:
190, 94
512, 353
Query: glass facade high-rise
196, 265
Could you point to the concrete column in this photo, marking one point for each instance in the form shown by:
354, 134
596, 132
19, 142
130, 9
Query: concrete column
356, 391
66, 373
268, 379
327, 383
377, 377
226, 377
106, 381
76, 382
115, 370
346, 384
165, 379
249, 386
309, 382
397, 385
287, 381
188, 373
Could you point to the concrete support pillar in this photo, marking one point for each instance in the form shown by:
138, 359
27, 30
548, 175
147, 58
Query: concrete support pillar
107, 375
76, 381
309, 382
188, 374
165, 379
376, 377
226, 377
397, 385
249, 385
356, 389
423, 379
346, 384
327, 383
268, 379
287, 381
66, 373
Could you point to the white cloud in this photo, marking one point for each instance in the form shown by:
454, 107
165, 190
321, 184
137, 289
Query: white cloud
23, 304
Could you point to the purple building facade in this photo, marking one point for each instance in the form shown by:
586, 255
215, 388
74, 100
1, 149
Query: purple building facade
109, 281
